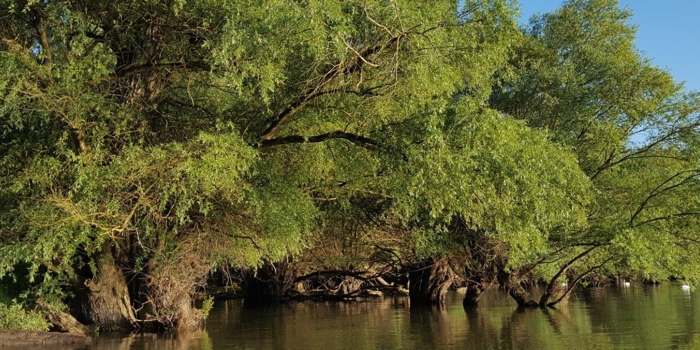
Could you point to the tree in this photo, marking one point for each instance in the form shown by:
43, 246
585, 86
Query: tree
580, 77
485, 181
145, 143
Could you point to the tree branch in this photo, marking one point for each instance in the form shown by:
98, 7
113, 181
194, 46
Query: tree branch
562, 270
317, 90
43, 36
578, 278
639, 153
356, 139
668, 217
359, 275
142, 68
660, 189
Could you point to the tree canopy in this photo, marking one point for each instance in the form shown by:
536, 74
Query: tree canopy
145, 144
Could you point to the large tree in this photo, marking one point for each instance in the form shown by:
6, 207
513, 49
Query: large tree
145, 142
579, 76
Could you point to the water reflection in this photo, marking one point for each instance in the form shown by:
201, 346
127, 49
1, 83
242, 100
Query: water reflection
148, 341
635, 317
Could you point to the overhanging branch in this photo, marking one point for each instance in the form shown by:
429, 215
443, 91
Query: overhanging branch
317, 90
578, 278
356, 139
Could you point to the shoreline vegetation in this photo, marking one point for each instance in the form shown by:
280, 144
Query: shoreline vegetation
154, 151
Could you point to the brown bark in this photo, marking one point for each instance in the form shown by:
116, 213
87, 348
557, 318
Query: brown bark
356, 139
555, 292
350, 285
552, 289
564, 294
519, 294
169, 287
173, 310
62, 321
429, 281
103, 301
474, 293
43, 35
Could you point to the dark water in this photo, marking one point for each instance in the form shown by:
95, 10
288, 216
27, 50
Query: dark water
636, 317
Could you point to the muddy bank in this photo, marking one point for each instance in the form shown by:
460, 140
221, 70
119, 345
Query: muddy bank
19, 338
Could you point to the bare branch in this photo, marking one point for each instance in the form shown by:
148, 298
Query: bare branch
142, 68
640, 152
668, 217
355, 274
358, 54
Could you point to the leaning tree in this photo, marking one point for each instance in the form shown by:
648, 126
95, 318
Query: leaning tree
635, 135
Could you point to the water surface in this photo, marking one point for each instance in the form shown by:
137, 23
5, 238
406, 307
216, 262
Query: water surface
636, 317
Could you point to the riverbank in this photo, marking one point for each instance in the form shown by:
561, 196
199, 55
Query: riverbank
19, 338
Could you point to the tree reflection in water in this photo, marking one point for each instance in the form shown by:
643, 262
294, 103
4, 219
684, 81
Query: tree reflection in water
612, 318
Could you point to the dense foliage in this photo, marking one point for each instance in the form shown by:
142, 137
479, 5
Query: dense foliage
146, 144
14, 316
633, 130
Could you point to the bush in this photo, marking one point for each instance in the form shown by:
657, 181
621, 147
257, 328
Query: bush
4, 295
14, 316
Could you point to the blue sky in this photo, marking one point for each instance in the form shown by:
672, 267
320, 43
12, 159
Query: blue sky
668, 32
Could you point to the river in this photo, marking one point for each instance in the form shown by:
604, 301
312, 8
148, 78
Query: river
635, 317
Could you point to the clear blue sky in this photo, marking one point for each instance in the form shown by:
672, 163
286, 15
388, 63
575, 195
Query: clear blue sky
668, 32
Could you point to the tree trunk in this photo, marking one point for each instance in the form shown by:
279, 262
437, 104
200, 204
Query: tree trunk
170, 284
175, 310
270, 283
350, 285
103, 301
555, 291
61, 321
429, 281
519, 294
474, 293
545, 297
